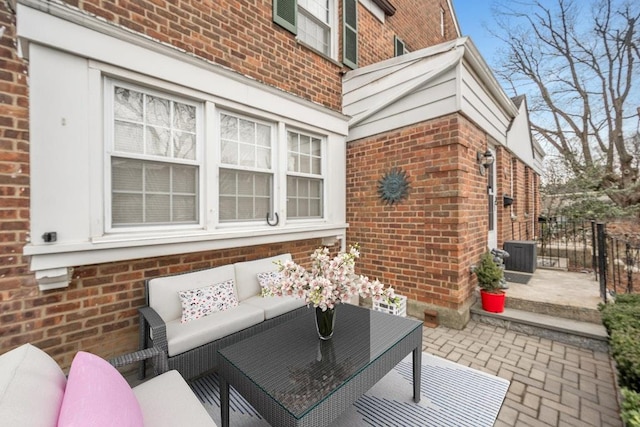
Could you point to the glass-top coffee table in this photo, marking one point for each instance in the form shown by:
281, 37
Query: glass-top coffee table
293, 378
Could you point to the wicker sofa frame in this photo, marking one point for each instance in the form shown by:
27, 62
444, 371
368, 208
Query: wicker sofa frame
199, 360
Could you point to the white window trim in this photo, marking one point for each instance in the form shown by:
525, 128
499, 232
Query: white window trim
322, 176
109, 153
104, 49
333, 32
275, 148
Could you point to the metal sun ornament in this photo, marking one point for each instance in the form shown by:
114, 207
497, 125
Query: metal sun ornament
393, 186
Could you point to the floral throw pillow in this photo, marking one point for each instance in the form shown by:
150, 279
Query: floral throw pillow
267, 278
197, 303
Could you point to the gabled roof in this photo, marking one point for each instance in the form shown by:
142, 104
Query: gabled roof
426, 76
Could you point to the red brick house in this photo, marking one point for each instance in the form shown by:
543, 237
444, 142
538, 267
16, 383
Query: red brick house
141, 138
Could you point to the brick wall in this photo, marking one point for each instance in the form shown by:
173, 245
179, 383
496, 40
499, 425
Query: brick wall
417, 22
236, 34
425, 245
98, 311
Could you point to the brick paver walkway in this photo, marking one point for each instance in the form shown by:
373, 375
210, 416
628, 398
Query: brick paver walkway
552, 384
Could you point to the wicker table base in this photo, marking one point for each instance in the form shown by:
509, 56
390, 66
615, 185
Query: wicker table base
294, 379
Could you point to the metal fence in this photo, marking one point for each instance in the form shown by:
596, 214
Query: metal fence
586, 246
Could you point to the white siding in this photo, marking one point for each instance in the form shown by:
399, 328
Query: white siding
519, 137
480, 107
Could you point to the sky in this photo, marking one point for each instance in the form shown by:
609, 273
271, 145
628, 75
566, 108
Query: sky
473, 16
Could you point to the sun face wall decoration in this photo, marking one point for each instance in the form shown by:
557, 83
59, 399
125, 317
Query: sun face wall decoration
393, 187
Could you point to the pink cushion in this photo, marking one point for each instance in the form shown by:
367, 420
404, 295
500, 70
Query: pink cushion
97, 395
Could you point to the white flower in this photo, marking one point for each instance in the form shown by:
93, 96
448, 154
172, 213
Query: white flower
329, 282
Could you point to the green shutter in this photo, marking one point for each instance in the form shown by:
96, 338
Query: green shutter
398, 46
285, 14
350, 33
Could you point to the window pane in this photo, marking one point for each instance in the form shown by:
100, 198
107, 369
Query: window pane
158, 141
126, 175
245, 208
227, 208
304, 198
229, 152
245, 184
245, 195
263, 135
264, 158
128, 137
317, 8
126, 209
184, 145
185, 179
227, 183
313, 32
184, 208
247, 155
305, 154
158, 111
247, 131
157, 177
157, 208
184, 117
229, 127
146, 192
127, 104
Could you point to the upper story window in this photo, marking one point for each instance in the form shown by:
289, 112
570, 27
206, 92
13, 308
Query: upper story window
314, 24
442, 27
153, 155
399, 47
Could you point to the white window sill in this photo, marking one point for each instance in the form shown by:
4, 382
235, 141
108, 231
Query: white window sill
48, 258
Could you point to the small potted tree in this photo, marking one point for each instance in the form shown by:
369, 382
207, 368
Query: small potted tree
489, 280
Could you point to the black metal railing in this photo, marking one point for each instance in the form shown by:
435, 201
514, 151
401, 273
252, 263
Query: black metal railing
566, 244
587, 247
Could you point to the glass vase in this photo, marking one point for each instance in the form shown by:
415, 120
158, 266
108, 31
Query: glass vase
325, 322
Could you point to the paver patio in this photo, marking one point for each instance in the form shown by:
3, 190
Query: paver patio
552, 384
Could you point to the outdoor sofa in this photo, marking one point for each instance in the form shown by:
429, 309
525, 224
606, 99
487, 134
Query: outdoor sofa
191, 347
34, 392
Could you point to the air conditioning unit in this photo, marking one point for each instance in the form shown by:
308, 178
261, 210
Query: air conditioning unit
522, 255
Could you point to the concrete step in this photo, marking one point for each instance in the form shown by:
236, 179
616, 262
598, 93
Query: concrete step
566, 311
569, 331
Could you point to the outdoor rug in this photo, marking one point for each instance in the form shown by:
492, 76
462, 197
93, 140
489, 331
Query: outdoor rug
522, 278
452, 395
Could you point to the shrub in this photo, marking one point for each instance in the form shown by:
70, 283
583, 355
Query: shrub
630, 408
489, 273
622, 314
626, 352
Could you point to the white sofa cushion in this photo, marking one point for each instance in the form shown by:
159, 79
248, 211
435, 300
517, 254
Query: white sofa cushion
247, 274
31, 388
163, 291
182, 337
167, 401
275, 306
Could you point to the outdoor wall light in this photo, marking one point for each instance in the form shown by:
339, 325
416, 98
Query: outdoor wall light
484, 160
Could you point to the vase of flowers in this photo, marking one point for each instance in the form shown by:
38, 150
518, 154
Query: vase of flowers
325, 322
329, 282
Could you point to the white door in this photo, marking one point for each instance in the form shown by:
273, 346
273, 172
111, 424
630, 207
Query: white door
492, 204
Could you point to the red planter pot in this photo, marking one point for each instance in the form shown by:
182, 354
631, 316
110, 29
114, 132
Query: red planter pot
492, 302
